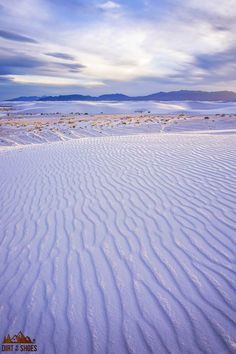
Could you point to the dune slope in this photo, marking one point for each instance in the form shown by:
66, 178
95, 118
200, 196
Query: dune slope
121, 244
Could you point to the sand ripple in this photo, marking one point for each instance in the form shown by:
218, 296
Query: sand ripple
121, 244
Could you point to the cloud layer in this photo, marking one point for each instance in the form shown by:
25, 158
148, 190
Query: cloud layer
136, 47
16, 37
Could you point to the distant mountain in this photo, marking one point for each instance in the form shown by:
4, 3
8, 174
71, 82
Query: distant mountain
114, 97
25, 98
182, 95
67, 98
185, 95
107, 97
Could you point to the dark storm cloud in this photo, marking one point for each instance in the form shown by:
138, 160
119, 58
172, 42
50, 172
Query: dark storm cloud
61, 56
12, 36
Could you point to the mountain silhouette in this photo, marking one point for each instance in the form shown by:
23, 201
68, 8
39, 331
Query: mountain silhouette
182, 95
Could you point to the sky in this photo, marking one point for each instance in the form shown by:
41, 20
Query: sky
135, 47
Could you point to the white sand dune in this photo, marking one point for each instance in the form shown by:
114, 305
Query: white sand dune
111, 107
122, 244
27, 130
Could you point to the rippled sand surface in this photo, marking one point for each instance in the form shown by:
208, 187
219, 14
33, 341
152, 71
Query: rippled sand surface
121, 244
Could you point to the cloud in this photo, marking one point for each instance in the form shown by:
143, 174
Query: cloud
16, 37
25, 10
54, 81
61, 56
18, 64
137, 45
76, 67
22, 64
221, 8
214, 61
5, 79
118, 49
109, 5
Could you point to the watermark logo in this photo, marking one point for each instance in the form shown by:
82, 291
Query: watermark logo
19, 342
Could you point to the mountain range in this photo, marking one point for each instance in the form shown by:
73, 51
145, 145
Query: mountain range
182, 95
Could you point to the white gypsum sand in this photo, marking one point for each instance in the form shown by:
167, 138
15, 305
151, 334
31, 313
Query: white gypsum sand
122, 244
18, 130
